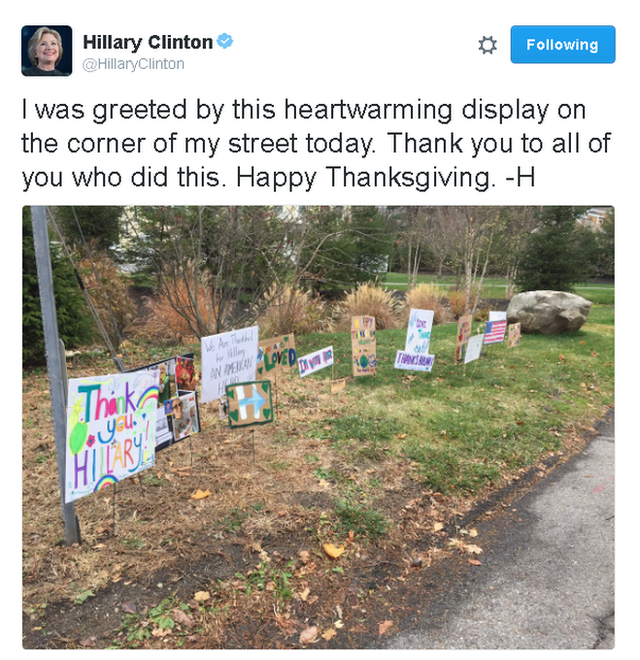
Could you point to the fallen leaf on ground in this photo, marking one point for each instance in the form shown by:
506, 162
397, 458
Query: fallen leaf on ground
182, 617
473, 549
287, 625
304, 594
332, 550
199, 494
384, 627
128, 608
308, 635
304, 555
201, 596
329, 634
438, 527
475, 562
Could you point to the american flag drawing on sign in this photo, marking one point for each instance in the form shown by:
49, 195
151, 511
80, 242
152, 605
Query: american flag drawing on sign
494, 332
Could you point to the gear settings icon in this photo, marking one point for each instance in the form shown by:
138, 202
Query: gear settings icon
487, 45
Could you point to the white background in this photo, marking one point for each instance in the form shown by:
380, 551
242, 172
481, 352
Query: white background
321, 52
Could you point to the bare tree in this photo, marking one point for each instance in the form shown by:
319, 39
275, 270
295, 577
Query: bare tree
212, 265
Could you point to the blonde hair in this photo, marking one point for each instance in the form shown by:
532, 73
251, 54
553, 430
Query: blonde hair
37, 36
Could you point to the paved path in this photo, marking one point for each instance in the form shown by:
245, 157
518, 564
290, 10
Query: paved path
547, 574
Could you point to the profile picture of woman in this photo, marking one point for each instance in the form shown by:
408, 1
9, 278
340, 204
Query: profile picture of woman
44, 51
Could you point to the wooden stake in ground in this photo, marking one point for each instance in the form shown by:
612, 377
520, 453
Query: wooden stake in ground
253, 445
114, 510
275, 391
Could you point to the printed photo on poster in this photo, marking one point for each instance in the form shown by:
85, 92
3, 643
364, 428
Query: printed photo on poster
184, 416
185, 374
164, 431
167, 380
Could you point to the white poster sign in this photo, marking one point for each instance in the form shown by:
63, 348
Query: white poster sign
228, 358
315, 361
419, 331
413, 361
111, 427
474, 348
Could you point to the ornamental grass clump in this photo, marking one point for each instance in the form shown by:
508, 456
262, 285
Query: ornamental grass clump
429, 297
287, 309
369, 300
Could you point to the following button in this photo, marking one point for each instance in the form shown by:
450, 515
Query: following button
563, 44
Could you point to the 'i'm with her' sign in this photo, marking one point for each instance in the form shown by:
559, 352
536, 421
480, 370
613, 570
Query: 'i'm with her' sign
111, 424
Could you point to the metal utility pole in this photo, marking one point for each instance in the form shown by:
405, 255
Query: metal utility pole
55, 362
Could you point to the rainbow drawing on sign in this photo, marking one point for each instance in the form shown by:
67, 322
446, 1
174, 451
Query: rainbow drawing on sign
150, 395
111, 423
107, 480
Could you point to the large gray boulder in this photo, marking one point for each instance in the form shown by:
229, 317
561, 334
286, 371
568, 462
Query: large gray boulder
548, 312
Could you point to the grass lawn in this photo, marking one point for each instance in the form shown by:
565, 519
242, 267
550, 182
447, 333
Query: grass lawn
494, 287
465, 427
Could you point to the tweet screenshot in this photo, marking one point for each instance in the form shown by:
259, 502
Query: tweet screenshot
318, 325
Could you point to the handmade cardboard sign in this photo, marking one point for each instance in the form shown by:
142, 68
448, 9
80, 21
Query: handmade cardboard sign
313, 362
413, 361
513, 339
419, 331
275, 355
494, 332
228, 358
474, 348
497, 316
464, 332
249, 403
338, 386
111, 426
363, 345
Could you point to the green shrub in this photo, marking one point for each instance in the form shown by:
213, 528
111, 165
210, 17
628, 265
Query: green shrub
75, 326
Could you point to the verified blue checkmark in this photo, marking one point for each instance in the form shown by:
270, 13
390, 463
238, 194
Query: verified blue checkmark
224, 40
